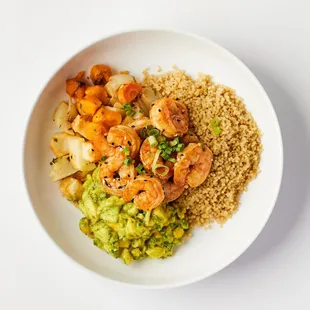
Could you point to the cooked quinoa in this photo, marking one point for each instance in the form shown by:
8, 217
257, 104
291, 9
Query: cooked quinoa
236, 149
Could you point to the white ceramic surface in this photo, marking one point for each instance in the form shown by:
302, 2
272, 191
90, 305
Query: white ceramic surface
207, 251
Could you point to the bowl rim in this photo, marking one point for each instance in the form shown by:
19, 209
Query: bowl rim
227, 53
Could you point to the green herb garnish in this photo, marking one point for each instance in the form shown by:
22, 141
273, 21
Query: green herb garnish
128, 109
140, 169
128, 161
152, 140
126, 150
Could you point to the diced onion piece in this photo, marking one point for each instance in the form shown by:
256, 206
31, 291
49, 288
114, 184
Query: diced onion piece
60, 118
116, 81
61, 168
148, 96
152, 141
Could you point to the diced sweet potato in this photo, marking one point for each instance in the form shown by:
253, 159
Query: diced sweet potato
88, 105
98, 91
100, 74
76, 86
108, 116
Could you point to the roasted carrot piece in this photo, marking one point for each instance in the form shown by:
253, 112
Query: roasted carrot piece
100, 74
76, 86
88, 105
108, 116
129, 92
99, 92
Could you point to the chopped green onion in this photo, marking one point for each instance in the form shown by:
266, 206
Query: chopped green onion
216, 130
174, 142
103, 158
152, 140
143, 133
164, 173
163, 145
153, 132
173, 160
165, 156
140, 169
168, 150
214, 122
179, 147
126, 150
161, 138
128, 161
128, 109
155, 160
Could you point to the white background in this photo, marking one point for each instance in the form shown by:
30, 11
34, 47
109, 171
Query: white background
271, 37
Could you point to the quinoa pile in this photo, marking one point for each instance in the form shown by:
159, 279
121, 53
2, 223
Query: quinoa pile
236, 149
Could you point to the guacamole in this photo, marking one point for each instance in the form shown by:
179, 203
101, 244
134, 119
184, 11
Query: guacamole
124, 231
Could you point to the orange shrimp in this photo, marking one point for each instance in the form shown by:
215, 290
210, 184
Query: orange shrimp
146, 192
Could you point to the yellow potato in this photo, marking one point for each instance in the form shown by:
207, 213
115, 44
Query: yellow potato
61, 168
90, 152
71, 188
61, 119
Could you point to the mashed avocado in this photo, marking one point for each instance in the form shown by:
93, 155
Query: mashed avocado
123, 231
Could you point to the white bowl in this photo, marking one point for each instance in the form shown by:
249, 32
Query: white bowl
207, 251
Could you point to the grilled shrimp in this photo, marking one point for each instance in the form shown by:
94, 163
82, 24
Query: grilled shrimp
123, 136
102, 145
172, 191
169, 116
139, 123
193, 165
109, 175
146, 192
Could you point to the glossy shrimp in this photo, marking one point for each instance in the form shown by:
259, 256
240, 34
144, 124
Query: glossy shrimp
146, 192
169, 116
172, 191
193, 165
124, 136
114, 175
139, 124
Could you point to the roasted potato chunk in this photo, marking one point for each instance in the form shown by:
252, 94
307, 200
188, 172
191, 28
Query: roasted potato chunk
61, 168
90, 152
76, 156
60, 118
71, 188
